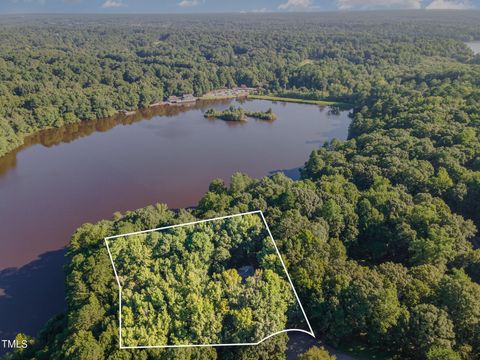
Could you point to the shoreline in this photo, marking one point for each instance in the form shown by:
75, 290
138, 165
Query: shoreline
299, 101
125, 114
226, 97
117, 114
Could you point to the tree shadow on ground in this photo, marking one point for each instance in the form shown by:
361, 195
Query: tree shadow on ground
299, 343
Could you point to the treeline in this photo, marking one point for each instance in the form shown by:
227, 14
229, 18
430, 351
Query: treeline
60, 70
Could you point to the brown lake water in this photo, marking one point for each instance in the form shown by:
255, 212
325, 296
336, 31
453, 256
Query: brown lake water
65, 177
84, 173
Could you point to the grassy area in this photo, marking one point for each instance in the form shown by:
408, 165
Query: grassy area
223, 97
218, 97
300, 101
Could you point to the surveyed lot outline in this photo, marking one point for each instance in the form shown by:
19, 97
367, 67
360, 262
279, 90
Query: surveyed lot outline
259, 212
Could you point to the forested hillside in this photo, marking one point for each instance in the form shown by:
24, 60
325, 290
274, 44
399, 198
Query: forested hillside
56, 70
379, 235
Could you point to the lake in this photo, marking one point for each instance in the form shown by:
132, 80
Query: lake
65, 177
80, 174
475, 46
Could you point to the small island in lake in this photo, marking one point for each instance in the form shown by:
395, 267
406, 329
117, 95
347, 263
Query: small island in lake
239, 114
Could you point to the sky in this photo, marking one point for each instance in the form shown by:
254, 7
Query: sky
209, 6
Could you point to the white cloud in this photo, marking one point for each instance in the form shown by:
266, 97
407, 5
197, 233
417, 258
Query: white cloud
113, 4
254, 11
378, 4
189, 3
450, 5
296, 5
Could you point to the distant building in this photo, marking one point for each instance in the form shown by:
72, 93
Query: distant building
173, 99
187, 98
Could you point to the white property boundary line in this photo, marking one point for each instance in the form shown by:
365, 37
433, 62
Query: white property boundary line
311, 333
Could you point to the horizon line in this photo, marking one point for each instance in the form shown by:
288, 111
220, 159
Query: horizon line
246, 12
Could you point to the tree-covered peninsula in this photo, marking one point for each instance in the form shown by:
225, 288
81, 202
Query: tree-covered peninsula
413, 304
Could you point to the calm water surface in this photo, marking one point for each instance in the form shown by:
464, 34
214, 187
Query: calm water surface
475, 46
84, 173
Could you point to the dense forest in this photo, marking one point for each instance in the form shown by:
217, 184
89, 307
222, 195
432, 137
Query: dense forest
380, 233
218, 282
